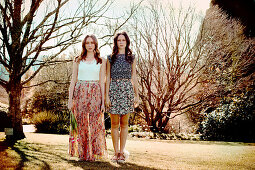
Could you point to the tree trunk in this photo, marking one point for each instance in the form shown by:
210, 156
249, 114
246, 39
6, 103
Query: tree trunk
153, 126
164, 124
14, 92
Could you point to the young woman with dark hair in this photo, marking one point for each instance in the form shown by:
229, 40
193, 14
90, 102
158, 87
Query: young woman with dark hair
86, 101
121, 92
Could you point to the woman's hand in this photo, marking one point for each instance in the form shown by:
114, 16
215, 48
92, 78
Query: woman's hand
70, 104
107, 102
136, 101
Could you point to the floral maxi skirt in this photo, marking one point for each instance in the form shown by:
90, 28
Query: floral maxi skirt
87, 130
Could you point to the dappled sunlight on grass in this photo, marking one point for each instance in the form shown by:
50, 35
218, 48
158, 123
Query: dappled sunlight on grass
35, 152
48, 151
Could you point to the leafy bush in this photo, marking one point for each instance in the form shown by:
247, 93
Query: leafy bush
52, 93
135, 128
49, 122
234, 121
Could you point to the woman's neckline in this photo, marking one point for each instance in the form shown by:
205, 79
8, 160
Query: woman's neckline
120, 55
88, 62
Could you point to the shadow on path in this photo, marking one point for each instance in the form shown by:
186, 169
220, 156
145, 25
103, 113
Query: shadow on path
28, 154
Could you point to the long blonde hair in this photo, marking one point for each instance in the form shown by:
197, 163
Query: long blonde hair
84, 51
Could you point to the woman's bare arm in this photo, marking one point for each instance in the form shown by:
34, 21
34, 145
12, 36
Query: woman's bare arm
72, 83
108, 79
135, 82
102, 81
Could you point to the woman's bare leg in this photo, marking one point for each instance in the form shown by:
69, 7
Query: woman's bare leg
115, 131
123, 131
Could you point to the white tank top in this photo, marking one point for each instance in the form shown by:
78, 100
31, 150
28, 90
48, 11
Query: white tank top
89, 70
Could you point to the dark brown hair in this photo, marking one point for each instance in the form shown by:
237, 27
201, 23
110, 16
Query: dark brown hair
115, 51
84, 51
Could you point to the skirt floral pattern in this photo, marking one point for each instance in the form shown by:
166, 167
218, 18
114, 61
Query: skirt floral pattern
87, 130
121, 95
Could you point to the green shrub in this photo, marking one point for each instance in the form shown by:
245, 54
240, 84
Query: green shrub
49, 122
231, 122
135, 128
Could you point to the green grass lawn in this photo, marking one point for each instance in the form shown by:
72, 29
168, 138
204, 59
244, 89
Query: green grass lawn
48, 151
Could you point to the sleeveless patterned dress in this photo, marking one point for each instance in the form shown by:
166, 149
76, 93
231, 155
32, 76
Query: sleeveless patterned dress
121, 91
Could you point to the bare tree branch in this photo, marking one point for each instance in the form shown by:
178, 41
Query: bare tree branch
42, 83
168, 67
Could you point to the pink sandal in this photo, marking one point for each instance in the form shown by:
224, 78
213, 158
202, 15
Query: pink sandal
121, 158
115, 157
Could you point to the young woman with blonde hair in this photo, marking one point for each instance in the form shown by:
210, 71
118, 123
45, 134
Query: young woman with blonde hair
86, 101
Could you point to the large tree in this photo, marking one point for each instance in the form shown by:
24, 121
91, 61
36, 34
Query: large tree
28, 30
169, 62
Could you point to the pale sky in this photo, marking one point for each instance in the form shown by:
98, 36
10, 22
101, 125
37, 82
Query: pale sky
120, 6
117, 9
201, 5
